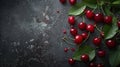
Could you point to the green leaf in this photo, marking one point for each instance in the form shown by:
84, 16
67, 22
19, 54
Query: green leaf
110, 30
114, 57
107, 11
116, 2
90, 2
77, 9
90, 5
84, 50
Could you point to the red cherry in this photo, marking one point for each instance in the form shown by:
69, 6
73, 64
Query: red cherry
100, 65
78, 39
89, 14
65, 49
82, 25
72, 2
92, 64
71, 61
62, 1
110, 43
84, 35
108, 19
84, 57
90, 28
101, 53
73, 31
97, 41
98, 17
64, 31
73, 49
71, 20
118, 23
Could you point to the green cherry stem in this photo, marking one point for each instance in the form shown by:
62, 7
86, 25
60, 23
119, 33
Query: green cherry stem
97, 28
102, 10
83, 18
65, 40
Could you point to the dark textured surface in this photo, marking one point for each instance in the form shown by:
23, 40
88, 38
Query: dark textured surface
31, 32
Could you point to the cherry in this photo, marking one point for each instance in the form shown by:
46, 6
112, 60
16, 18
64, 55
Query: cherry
84, 57
73, 49
71, 61
108, 19
97, 41
98, 17
92, 64
72, 2
84, 35
62, 1
110, 43
100, 65
89, 14
64, 31
90, 28
73, 31
82, 25
118, 23
71, 20
65, 49
101, 53
78, 39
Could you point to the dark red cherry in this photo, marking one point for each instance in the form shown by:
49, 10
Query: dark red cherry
84, 35
72, 49
72, 2
84, 58
110, 43
118, 23
108, 19
82, 26
92, 64
97, 41
65, 49
101, 53
89, 14
100, 65
98, 17
71, 61
62, 1
71, 20
73, 31
78, 39
90, 28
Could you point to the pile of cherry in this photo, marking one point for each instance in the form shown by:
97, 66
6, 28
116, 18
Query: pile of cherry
89, 28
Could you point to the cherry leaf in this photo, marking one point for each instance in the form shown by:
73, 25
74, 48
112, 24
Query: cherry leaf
114, 57
77, 9
110, 30
84, 50
116, 2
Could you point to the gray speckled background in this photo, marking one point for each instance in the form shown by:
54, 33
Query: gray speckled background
31, 32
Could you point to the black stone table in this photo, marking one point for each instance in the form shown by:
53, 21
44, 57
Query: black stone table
31, 32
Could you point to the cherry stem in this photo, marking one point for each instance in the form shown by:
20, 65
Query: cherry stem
83, 18
102, 10
97, 28
65, 40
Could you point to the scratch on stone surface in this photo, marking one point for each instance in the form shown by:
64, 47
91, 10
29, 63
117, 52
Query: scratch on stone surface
46, 42
31, 40
43, 24
16, 43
